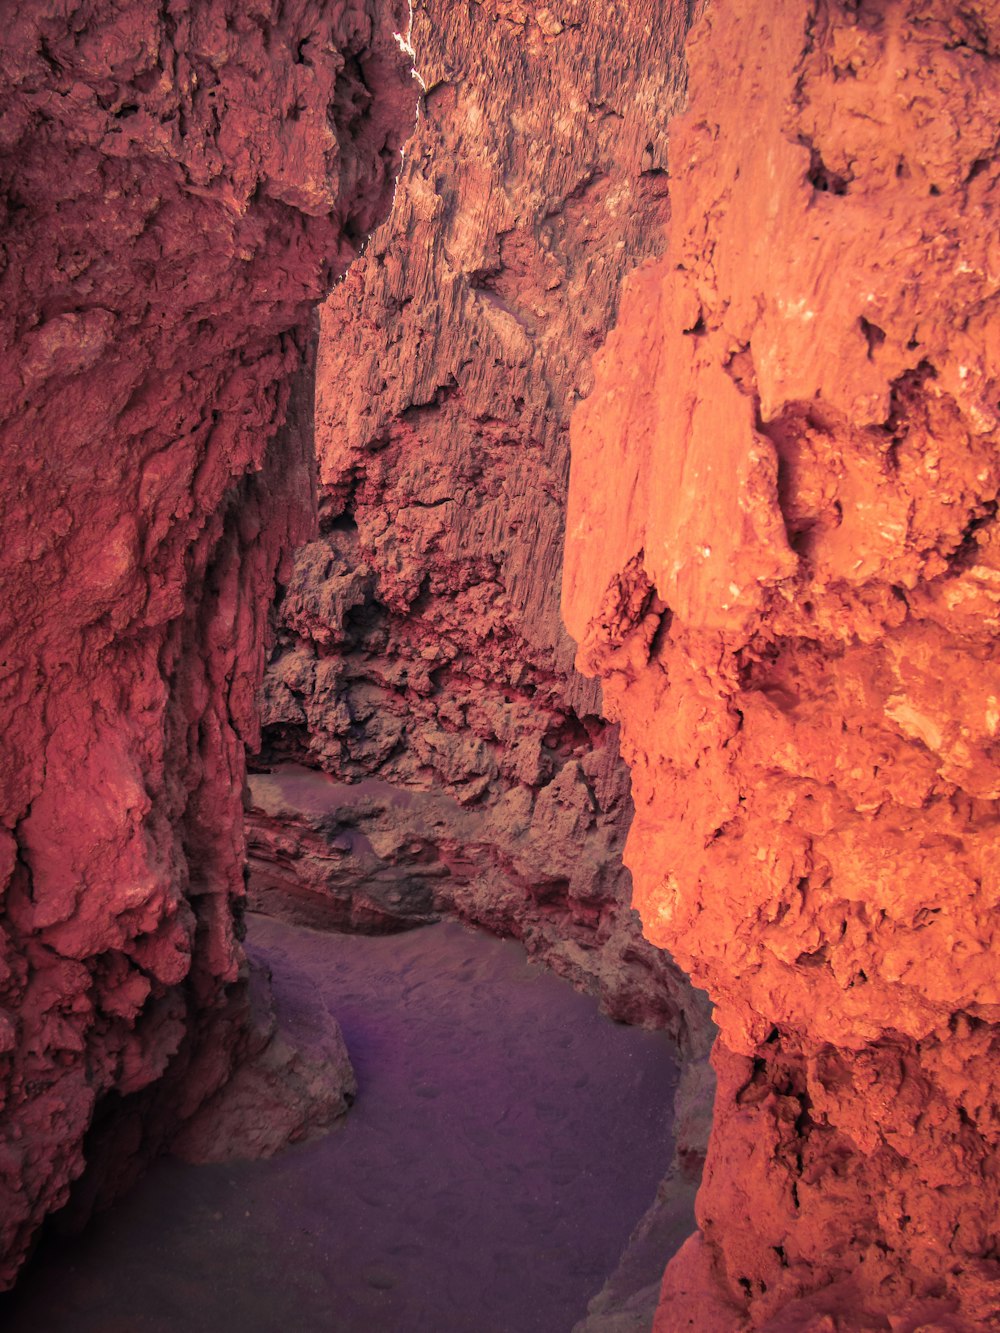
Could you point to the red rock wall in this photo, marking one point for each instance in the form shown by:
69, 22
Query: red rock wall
180, 183
420, 642
784, 563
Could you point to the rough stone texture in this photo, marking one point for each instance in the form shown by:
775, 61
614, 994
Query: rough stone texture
180, 182
420, 644
784, 563
294, 1080
374, 857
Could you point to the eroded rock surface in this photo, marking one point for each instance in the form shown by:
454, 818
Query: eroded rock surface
375, 857
180, 183
294, 1077
784, 563
420, 644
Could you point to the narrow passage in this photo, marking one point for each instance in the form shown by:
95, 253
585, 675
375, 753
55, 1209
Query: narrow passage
506, 1139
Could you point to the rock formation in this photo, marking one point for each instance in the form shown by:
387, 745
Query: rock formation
421, 660
180, 184
784, 564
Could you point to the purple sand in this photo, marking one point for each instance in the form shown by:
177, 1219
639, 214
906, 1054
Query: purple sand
506, 1139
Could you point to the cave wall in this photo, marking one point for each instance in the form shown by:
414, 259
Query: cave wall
784, 564
181, 183
421, 659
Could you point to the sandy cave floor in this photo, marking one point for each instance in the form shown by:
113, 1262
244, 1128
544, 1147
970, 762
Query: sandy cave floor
506, 1139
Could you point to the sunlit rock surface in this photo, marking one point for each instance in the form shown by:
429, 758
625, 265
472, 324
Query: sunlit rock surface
783, 561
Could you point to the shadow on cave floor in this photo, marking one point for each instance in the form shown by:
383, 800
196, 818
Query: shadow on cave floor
506, 1138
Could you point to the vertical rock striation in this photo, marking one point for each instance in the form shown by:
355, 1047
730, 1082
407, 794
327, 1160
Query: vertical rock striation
420, 643
180, 184
784, 563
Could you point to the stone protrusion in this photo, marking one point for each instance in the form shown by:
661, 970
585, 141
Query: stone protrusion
792, 446
180, 185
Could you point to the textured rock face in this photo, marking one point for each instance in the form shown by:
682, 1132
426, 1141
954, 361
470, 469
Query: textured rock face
180, 184
375, 857
784, 563
420, 644
294, 1079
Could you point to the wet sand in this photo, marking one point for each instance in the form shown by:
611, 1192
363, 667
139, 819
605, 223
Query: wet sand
506, 1139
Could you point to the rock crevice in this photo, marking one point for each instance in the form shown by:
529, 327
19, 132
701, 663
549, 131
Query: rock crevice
419, 642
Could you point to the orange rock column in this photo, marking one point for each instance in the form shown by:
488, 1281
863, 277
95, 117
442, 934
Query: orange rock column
784, 563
